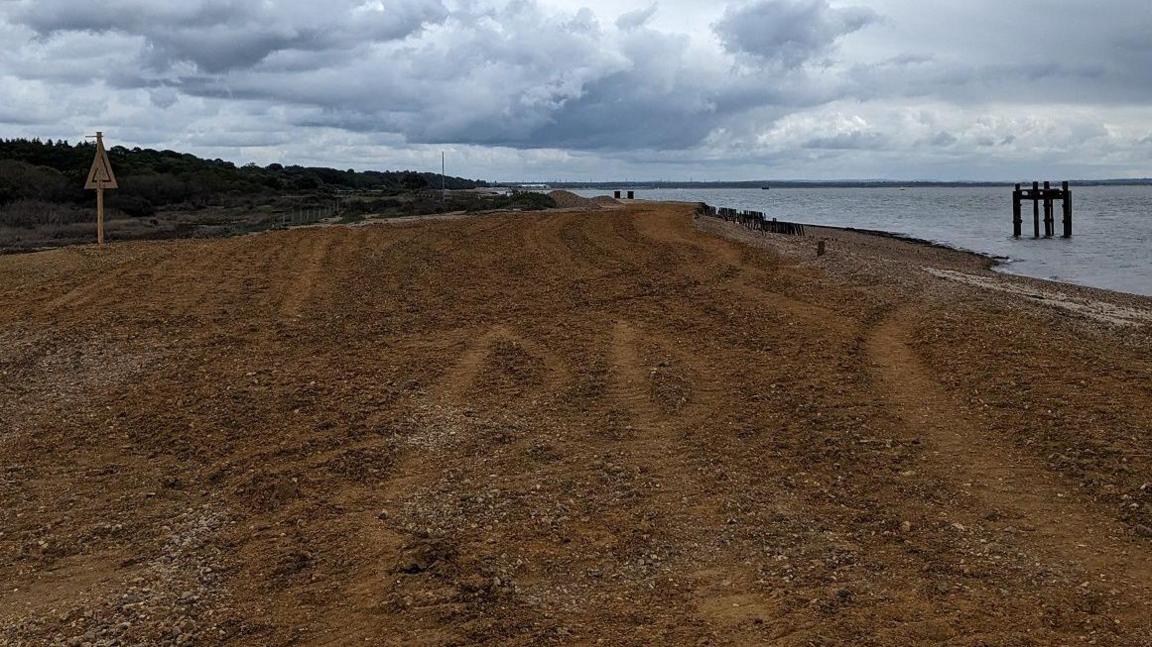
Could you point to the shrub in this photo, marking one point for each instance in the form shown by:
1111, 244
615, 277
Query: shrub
133, 206
35, 213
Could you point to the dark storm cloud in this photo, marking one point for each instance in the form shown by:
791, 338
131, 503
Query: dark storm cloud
514, 75
221, 35
789, 32
522, 77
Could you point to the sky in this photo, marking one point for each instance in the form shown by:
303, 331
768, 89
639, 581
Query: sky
587, 90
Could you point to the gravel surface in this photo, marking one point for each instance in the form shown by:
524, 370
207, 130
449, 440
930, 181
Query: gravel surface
621, 426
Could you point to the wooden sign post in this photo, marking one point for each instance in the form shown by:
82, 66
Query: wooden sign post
100, 177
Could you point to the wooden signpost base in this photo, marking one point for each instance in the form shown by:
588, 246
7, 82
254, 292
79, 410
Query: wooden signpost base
100, 217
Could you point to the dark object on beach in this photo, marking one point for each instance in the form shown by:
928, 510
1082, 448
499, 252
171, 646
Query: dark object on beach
616, 194
820, 249
1047, 196
765, 188
754, 220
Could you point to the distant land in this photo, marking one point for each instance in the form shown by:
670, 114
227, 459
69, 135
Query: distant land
167, 194
814, 184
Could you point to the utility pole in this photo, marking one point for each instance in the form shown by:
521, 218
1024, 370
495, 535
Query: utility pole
443, 178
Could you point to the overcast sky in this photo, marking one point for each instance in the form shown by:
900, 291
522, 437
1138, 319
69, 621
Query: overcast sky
599, 89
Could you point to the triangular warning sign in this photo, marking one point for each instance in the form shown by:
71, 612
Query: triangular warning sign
100, 176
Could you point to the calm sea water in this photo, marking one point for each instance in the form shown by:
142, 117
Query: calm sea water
1111, 247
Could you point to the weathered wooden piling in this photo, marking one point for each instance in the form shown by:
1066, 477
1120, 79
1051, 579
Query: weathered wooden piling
1067, 204
1048, 211
1017, 219
1046, 197
1036, 208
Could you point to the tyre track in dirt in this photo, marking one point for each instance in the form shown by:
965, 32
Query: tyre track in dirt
308, 276
480, 350
723, 264
1061, 528
632, 383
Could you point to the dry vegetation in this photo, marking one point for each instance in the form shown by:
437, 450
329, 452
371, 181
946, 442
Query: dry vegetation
580, 427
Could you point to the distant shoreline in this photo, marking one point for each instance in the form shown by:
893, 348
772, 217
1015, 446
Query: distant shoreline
993, 259
955, 262
829, 184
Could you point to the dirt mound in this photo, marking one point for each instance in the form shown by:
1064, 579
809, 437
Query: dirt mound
605, 200
569, 200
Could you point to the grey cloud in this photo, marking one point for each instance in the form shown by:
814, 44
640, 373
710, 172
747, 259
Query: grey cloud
636, 19
789, 32
22, 118
943, 139
222, 35
770, 82
858, 140
521, 77
237, 139
1080, 54
964, 82
164, 97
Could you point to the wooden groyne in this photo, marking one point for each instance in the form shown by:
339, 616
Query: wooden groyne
754, 220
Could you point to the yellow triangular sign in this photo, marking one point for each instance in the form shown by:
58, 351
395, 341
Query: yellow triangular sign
100, 176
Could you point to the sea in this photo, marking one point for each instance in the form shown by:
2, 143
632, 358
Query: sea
1111, 246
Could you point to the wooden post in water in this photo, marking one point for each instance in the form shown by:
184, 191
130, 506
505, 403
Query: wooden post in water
1067, 209
1017, 221
1049, 220
1036, 208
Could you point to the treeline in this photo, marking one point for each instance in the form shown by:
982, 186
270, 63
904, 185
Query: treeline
54, 172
